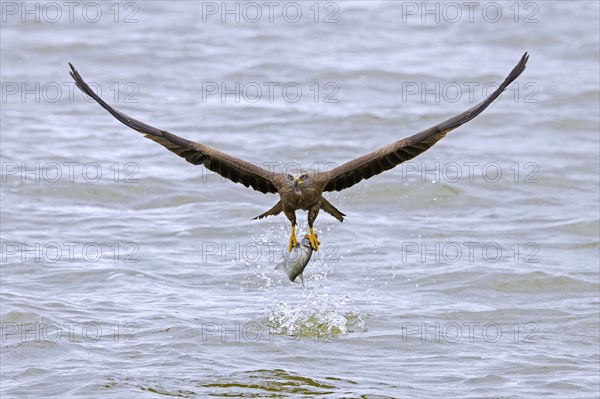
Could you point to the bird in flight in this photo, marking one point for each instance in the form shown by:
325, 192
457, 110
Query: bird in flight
302, 190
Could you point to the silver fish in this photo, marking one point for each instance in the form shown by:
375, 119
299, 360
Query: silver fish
295, 261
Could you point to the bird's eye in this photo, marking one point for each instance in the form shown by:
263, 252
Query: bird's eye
304, 177
290, 177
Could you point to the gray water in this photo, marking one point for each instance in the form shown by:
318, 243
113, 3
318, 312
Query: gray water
471, 271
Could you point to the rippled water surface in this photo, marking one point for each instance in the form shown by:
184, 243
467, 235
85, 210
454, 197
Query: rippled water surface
471, 271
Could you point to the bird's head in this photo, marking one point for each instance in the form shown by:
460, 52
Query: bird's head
298, 181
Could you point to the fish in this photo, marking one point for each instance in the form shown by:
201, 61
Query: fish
295, 262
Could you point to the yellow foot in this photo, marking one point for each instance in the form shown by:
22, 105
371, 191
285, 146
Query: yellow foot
314, 243
293, 242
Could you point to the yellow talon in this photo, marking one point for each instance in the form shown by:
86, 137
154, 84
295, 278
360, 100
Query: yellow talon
293, 242
318, 242
313, 239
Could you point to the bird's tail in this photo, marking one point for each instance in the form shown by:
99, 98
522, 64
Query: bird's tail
332, 210
276, 210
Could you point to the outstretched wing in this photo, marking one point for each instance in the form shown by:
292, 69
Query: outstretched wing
389, 156
230, 167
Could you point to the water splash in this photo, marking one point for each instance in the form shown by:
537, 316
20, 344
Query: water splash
293, 311
314, 314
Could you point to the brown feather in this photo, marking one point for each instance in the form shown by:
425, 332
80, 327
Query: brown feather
276, 210
310, 198
230, 167
332, 210
392, 155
